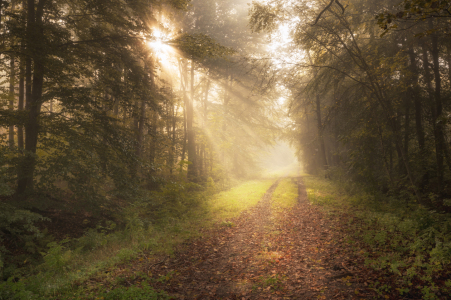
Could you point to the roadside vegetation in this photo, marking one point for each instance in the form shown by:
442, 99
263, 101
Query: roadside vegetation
408, 244
155, 224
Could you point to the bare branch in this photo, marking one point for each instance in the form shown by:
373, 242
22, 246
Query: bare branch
326, 8
321, 13
341, 6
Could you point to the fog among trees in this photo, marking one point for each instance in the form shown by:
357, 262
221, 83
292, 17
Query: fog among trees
115, 110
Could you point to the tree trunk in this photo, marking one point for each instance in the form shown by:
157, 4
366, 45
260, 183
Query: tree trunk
448, 58
12, 93
322, 154
34, 33
192, 167
153, 133
225, 110
12, 96
414, 91
205, 124
142, 118
440, 144
20, 137
407, 125
183, 81
174, 128
433, 107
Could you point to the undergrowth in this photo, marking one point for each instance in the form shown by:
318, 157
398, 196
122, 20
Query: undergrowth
155, 223
399, 237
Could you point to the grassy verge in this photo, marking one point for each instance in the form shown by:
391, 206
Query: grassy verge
155, 224
405, 241
285, 195
230, 204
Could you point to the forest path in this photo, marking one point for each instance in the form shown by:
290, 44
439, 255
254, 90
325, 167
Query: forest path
267, 254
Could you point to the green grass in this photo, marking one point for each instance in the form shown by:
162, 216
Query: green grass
325, 192
231, 203
155, 223
395, 236
285, 195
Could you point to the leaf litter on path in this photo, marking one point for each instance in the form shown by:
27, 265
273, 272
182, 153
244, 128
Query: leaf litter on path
293, 253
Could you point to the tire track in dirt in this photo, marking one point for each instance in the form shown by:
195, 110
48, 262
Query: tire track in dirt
245, 242
213, 267
296, 253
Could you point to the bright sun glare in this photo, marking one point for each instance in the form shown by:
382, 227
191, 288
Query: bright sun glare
158, 44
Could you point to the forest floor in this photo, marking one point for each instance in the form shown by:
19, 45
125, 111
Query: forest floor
265, 253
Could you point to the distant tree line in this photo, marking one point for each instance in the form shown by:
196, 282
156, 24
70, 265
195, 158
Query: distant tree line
370, 91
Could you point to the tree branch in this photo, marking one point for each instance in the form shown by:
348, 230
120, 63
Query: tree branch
326, 8
341, 6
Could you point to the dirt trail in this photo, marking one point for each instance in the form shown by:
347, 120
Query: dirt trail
293, 254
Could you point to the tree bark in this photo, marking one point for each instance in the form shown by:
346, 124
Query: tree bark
20, 107
183, 81
205, 124
153, 133
35, 36
434, 115
154, 128
192, 167
448, 58
12, 96
440, 144
414, 91
142, 118
323, 157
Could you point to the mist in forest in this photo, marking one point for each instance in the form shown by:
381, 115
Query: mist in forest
122, 113
280, 160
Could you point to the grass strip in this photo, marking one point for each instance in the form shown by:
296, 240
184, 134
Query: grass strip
229, 204
285, 195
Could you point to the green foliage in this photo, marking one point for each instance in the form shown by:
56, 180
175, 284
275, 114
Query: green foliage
274, 281
10, 290
5, 188
18, 226
136, 293
57, 258
413, 11
201, 46
227, 224
155, 222
409, 241
17, 222
263, 17
95, 237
